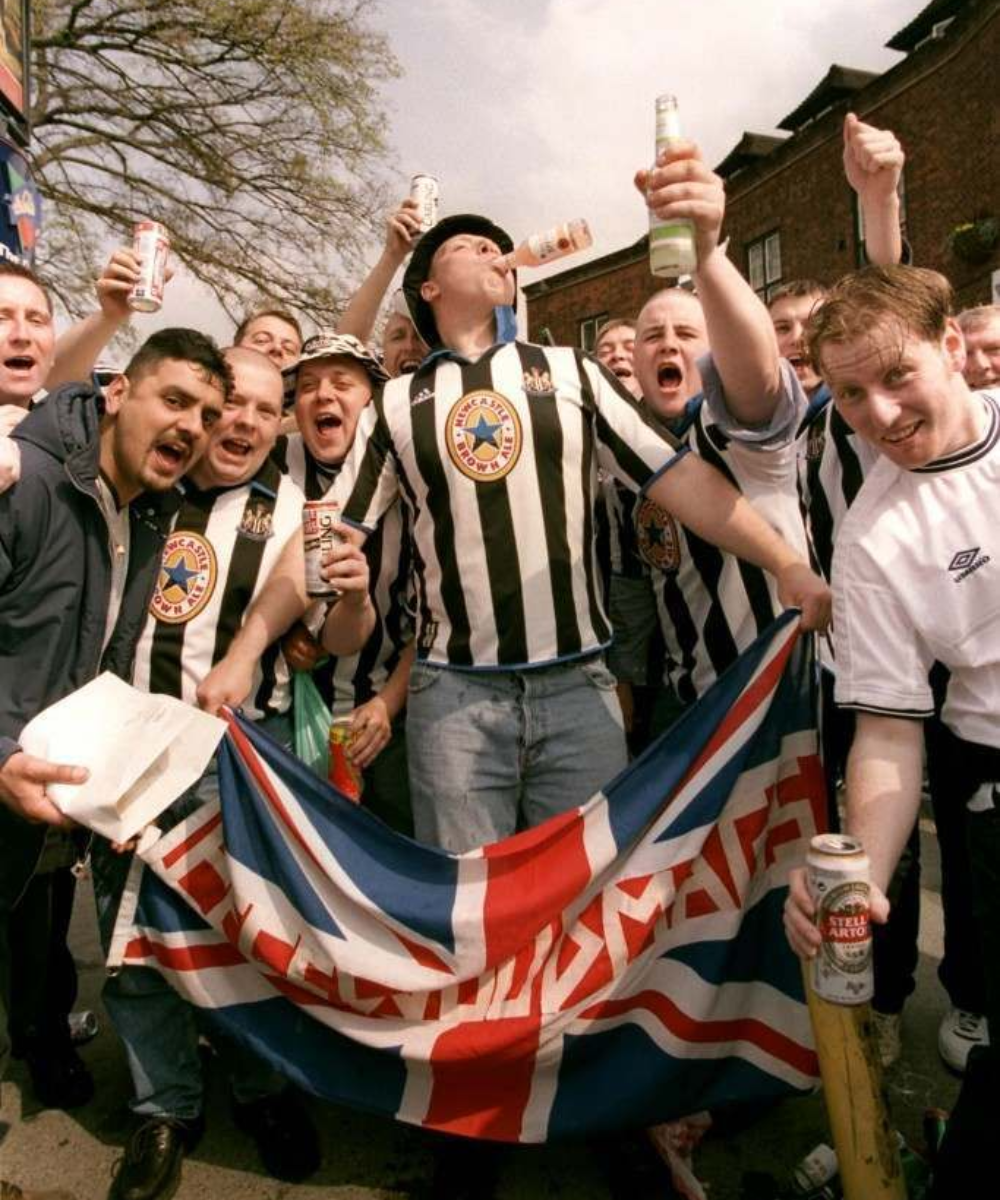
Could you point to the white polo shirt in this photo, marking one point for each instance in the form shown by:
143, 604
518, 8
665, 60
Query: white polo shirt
916, 579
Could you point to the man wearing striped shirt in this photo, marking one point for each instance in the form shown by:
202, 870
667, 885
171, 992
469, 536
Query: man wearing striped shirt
333, 382
238, 512
494, 448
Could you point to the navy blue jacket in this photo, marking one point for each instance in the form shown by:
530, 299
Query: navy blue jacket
55, 586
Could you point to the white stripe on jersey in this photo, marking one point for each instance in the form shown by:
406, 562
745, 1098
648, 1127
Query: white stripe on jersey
514, 584
712, 605
832, 465
342, 681
199, 633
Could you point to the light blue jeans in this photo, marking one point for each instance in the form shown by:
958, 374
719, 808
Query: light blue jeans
491, 752
158, 1028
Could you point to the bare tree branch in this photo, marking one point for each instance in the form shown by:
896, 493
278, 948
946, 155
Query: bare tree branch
250, 128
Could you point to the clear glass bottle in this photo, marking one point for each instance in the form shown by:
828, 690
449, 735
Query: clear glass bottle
671, 243
546, 247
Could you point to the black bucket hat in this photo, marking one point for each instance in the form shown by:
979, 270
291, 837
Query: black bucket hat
420, 264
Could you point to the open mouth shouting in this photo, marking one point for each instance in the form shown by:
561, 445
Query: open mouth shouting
21, 368
669, 377
171, 456
328, 426
236, 447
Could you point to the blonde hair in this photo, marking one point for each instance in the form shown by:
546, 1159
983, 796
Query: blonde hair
916, 299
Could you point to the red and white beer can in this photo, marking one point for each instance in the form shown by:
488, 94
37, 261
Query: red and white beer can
320, 529
344, 775
424, 189
151, 245
837, 871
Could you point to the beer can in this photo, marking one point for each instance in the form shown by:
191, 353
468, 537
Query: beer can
83, 1027
320, 523
425, 191
152, 245
818, 1168
837, 870
343, 774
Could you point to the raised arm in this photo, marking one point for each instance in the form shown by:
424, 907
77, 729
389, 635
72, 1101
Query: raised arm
873, 164
402, 231
81, 345
740, 332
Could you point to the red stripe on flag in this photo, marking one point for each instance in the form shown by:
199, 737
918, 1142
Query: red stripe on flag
635, 886
184, 958
274, 951
749, 701
699, 904
189, 843
263, 781
808, 784
300, 996
748, 829
548, 863
426, 958
780, 835
482, 1074
204, 886
705, 1033
714, 854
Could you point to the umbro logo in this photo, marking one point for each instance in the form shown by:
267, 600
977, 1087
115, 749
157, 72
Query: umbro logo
422, 397
967, 561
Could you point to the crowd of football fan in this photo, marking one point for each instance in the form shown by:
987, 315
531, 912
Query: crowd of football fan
548, 556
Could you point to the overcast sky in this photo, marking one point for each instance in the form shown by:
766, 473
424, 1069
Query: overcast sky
535, 111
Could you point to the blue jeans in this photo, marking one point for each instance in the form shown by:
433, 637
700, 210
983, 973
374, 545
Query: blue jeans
491, 752
158, 1028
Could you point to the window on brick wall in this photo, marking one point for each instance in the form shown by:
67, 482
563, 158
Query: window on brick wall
859, 221
588, 328
764, 264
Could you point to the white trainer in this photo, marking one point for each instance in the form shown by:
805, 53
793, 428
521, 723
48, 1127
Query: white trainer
960, 1032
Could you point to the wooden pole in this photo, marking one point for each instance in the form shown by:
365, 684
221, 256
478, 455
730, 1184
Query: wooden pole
867, 1151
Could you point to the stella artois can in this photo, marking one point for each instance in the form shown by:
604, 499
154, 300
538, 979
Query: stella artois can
320, 529
425, 191
837, 871
151, 245
344, 775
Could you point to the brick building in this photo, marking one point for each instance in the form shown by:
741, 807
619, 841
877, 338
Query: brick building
790, 212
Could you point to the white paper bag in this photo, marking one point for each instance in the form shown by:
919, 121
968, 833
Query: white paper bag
142, 752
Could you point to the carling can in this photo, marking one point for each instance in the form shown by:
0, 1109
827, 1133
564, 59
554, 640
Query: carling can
837, 869
343, 774
320, 524
425, 191
151, 245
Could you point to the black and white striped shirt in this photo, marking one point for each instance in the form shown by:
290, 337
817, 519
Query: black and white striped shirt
349, 680
710, 604
832, 464
496, 462
222, 546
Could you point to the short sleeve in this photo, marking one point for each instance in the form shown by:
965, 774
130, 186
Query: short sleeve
630, 447
771, 435
368, 483
882, 663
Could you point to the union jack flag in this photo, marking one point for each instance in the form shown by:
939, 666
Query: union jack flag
621, 965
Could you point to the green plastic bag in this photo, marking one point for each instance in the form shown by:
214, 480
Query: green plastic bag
312, 724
